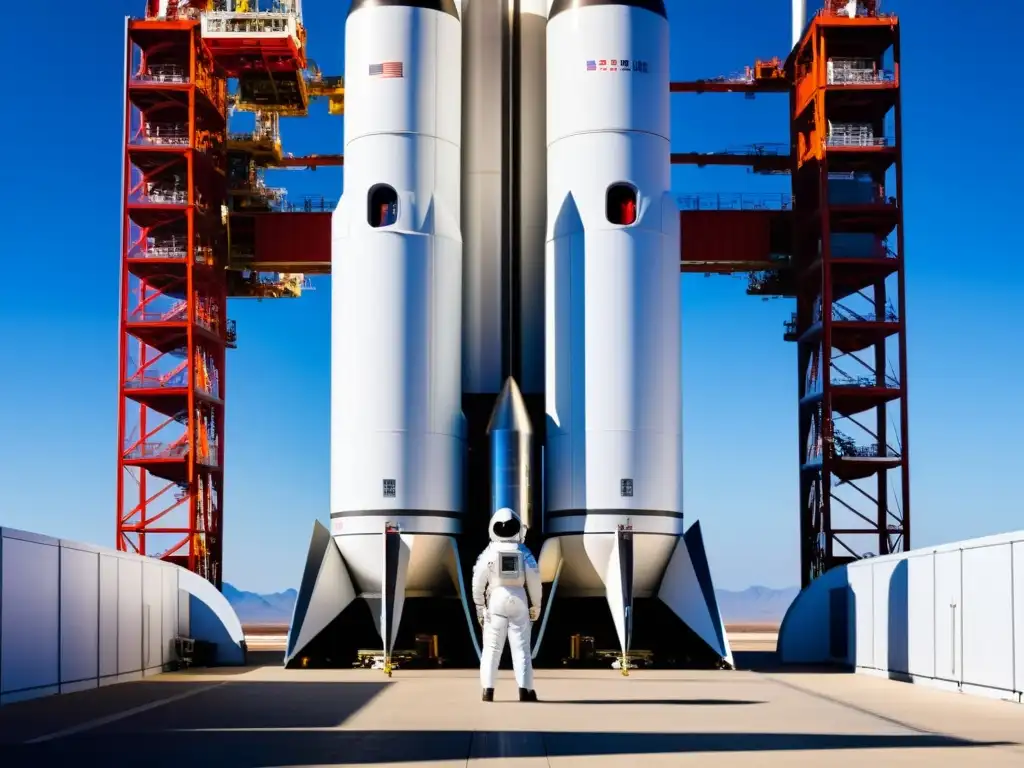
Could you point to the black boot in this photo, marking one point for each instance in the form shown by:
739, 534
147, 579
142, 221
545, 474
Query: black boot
527, 694
488, 695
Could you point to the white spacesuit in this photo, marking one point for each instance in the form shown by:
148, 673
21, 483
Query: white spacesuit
499, 576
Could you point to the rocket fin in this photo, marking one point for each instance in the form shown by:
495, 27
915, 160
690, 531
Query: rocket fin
619, 586
395, 568
686, 588
325, 592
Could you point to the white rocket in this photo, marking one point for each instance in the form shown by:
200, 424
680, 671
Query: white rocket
474, 243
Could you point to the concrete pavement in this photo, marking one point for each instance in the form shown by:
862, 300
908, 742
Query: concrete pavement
267, 716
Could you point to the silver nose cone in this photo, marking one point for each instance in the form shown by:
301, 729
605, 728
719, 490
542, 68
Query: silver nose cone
510, 412
509, 434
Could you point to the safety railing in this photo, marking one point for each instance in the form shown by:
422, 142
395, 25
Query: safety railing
856, 72
735, 202
162, 195
305, 205
169, 134
257, 188
846, 447
138, 451
175, 314
169, 248
854, 9
175, 379
863, 382
858, 140
166, 249
254, 24
161, 73
841, 313
257, 6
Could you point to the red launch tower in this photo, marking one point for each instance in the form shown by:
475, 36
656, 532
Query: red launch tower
201, 225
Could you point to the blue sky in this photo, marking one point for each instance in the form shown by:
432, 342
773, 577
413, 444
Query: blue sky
963, 169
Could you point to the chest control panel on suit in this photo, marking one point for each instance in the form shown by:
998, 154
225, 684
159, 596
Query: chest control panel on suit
510, 569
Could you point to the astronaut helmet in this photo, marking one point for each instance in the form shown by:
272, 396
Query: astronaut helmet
506, 527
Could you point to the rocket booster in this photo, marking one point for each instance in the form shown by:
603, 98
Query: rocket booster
507, 216
613, 316
614, 444
396, 417
397, 434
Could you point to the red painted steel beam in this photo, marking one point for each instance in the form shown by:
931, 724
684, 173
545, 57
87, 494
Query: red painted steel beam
757, 162
729, 86
309, 161
292, 242
724, 242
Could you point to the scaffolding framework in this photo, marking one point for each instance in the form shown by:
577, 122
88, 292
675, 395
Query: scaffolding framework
849, 283
835, 245
173, 324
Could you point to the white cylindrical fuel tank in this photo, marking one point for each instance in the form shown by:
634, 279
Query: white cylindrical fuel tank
614, 435
397, 431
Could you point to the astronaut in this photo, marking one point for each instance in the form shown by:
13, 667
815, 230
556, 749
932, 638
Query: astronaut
499, 576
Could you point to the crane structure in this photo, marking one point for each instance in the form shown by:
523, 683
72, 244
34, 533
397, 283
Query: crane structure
201, 226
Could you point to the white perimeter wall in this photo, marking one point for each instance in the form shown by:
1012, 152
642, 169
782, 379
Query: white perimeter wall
950, 615
74, 616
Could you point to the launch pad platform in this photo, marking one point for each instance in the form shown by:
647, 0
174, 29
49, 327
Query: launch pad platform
269, 716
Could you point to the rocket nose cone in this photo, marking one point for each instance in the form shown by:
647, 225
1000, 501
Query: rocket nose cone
560, 6
510, 410
442, 6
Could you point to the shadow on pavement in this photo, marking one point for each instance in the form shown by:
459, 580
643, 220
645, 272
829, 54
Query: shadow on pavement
768, 661
202, 705
657, 702
252, 748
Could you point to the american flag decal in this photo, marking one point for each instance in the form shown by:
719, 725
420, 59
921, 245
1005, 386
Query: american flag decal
387, 69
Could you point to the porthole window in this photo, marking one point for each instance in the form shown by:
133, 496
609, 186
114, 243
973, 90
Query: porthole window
621, 204
382, 206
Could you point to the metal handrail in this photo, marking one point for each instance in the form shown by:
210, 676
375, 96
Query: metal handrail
741, 201
864, 382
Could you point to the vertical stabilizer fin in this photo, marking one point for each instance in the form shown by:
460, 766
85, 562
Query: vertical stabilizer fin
395, 564
619, 586
686, 588
325, 592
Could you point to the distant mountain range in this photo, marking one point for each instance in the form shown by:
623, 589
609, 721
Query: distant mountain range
252, 608
753, 604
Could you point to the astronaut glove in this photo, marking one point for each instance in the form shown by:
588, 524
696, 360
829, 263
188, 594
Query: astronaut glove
481, 614
534, 612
